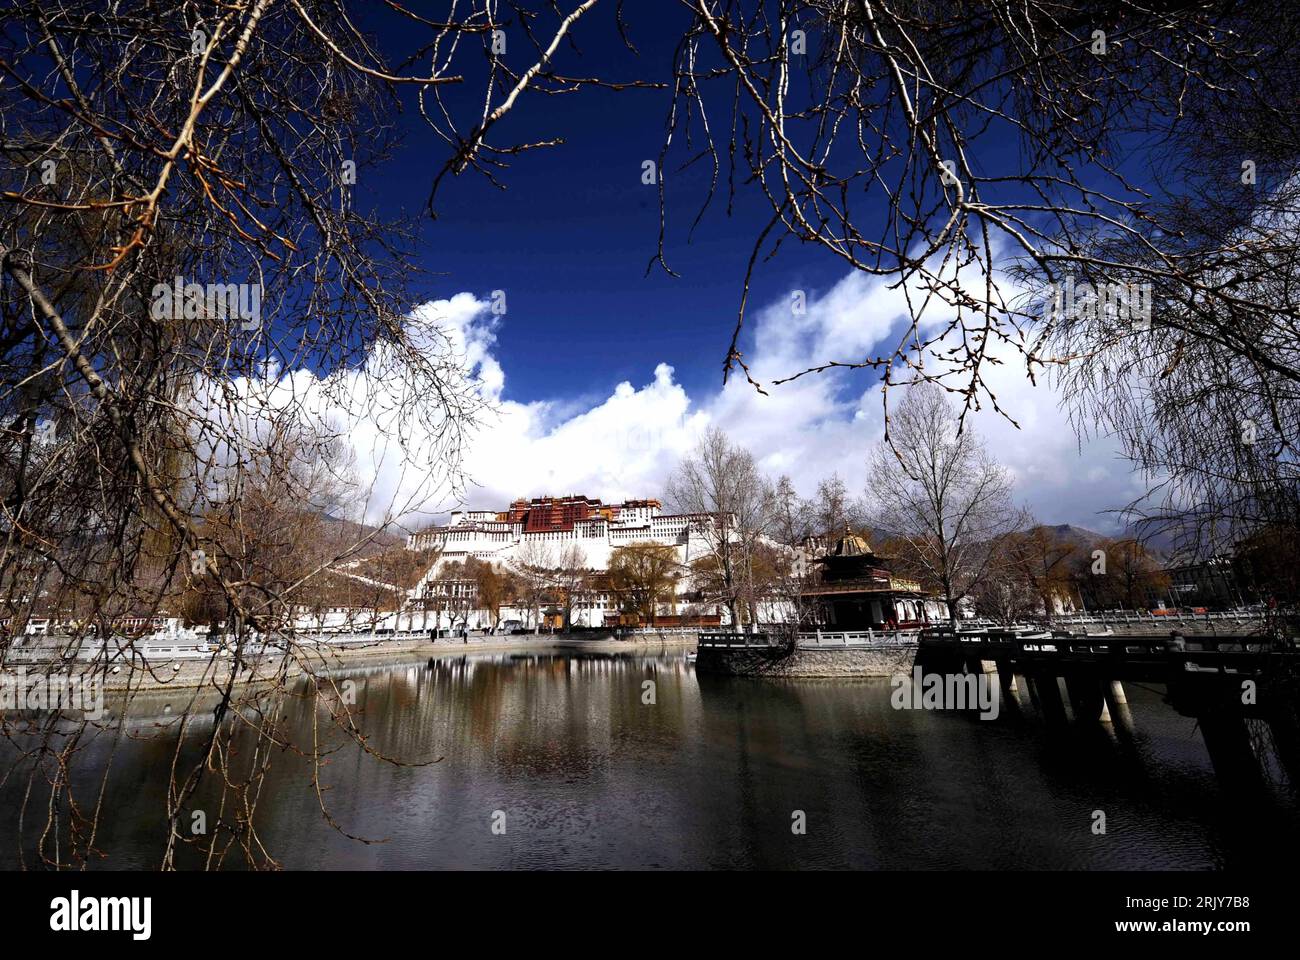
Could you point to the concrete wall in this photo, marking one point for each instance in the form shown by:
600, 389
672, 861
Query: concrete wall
885, 660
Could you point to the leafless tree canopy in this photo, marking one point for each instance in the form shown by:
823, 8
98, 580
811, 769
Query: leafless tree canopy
1031, 571
980, 156
191, 307
940, 493
720, 484
160, 449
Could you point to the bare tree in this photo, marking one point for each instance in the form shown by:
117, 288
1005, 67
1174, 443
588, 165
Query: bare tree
151, 152
182, 249
1122, 574
863, 125
880, 133
1204, 392
720, 486
568, 579
534, 562
785, 552
494, 590
1005, 596
833, 510
939, 492
455, 587
643, 575
1029, 574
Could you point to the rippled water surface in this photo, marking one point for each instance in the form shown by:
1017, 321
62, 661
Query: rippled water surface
588, 775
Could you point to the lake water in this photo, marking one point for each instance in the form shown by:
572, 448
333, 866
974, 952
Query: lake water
563, 752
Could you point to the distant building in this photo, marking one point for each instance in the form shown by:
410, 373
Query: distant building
543, 514
854, 589
1210, 583
598, 528
554, 523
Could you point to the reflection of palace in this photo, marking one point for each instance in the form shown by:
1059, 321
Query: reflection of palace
855, 590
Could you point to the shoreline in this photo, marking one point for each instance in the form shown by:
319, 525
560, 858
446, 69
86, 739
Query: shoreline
863, 662
214, 672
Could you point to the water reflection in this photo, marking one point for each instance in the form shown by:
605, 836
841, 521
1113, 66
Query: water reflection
587, 774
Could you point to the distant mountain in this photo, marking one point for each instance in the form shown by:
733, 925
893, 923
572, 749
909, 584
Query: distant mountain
1161, 544
350, 531
1072, 534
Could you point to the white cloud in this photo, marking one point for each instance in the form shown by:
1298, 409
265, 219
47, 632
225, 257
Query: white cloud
628, 443
616, 448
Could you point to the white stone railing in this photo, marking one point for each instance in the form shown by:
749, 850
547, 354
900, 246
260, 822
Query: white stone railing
819, 639
672, 631
1142, 616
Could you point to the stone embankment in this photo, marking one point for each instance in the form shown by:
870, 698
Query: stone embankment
274, 666
880, 660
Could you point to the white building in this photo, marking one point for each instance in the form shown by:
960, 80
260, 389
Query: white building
541, 529
498, 537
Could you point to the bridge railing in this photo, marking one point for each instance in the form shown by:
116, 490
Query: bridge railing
828, 639
668, 631
812, 639
734, 641
995, 644
1146, 617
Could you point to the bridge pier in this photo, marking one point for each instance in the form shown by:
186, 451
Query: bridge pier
1228, 743
1117, 702
1087, 697
1202, 682
1284, 724
1007, 681
1047, 692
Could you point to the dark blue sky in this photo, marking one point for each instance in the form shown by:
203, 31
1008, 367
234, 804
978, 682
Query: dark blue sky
570, 239
571, 236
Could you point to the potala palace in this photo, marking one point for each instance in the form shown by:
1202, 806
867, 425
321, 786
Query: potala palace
553, 523
860, 588
538, 532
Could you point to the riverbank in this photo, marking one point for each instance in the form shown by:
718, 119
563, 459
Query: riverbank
322, 660
879, 660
